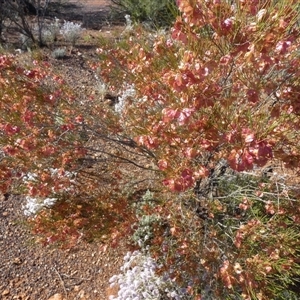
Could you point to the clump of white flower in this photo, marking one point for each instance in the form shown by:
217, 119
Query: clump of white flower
129, 92
47, 36
128, 21
67, 174
59, 53
138, 280
129, 25
101, 88
71, 31
35, 205
28, 177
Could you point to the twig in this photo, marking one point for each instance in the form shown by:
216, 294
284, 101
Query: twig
62, 282
81, 280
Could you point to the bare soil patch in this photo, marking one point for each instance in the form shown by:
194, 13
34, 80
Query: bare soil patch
32, 271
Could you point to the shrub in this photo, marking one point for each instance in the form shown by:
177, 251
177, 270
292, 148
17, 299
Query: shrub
222, 86
35, 105
59, 53
49, 33
156, 13
71, 31
148, 221
187, 92
139, 280
49, 150
198, 106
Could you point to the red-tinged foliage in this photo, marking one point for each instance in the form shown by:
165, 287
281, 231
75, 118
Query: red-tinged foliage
37, 127
84, 218
223, 85
227, 76
56, 146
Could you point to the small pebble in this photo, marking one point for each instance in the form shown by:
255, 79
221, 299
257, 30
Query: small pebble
5, 293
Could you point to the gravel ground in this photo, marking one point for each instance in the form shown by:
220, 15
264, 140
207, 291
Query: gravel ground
31, 271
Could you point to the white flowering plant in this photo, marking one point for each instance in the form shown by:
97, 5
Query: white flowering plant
35, 205
129, 25
138, 280
128, 93
71, 31
59, 53
50, 33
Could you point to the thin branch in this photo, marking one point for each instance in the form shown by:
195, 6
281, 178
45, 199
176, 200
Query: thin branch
61, 281
125, 141
120, 159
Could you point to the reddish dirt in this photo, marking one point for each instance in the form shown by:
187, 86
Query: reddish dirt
31, 271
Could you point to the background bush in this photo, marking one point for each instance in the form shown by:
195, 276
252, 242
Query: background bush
158, 13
